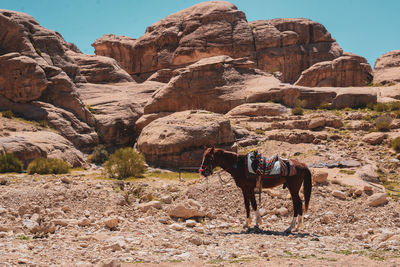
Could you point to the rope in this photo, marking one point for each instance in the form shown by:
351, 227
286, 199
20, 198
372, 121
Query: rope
222, 181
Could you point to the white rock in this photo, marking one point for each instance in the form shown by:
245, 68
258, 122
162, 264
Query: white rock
190, 223
176, 227
152, 204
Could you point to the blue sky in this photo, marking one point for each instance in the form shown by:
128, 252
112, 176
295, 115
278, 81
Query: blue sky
368, 28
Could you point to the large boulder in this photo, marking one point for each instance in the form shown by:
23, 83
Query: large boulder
259, 109
355, 97
178, 140
387, 68
216, 84
219, 28
98, 69
30, 145
345, 71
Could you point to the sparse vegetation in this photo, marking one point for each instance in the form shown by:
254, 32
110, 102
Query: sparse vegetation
99, 156
325, 105
124, 163
396, 144
90, 109
259, 131
349, 172
48, 166
297, 111
7, 114
382, 123
10, 163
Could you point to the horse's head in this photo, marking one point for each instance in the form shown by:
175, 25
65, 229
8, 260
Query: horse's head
208, 163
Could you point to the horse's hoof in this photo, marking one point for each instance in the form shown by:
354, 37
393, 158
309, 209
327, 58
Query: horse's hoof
287, 232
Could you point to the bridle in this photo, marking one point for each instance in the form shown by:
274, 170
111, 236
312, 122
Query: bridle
207, 170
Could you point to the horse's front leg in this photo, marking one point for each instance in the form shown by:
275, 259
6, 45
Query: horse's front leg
254, 206
247, 206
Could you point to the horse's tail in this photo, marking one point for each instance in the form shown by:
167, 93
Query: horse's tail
307, 183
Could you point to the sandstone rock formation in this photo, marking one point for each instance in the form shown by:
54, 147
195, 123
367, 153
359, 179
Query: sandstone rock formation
387, 68
30, 145
35, 67
220, 83
98, 69
218, 28
259, 109
177, 140
116, 108
345, 71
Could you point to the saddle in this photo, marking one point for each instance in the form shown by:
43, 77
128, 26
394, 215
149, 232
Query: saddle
269, 167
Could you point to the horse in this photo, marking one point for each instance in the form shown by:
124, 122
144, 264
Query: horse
235, 164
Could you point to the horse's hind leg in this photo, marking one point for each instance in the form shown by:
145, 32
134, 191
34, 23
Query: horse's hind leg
247, 206
254, 206
297, 209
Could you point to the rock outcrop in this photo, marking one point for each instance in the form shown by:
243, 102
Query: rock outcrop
345, 71
28, 146
116, 108
387, 68
259, 109
35, 67
219, 28
177, 140
98, 69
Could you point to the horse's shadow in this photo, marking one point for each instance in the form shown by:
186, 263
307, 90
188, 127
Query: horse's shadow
259, 231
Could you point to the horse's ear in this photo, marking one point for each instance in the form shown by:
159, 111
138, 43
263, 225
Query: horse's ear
212, 150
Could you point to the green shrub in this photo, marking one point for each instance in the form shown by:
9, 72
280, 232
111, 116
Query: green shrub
297, 111
382, 107
99, 156
47, 166
382, 123
397, 114
259, 131
90, 109
325, 105
124, 163
7, 114
301, 103
395, 106
10, 163
396, 144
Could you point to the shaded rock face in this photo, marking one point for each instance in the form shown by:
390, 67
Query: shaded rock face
177, 140
387, 68
98, 69
35, 67
218, 28
345, 71
116, 108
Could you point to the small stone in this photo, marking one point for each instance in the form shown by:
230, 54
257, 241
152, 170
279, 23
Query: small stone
320, 177
84, 222
282, 211
195, 240
167, 199
66, 209
2, 211
198, 229
339, 194
4, 228
367, 188
60, 222
165, 221
190, 223
66, 180
111, 222
377, 199
110, 263
374, 138
316, 123
176, 227
152, 204
264, 254
4, 181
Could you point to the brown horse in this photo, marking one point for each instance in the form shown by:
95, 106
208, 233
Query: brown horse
235, 164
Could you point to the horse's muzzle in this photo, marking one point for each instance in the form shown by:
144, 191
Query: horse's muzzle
205, 172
